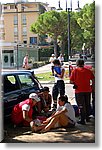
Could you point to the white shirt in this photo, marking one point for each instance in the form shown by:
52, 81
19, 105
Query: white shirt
26, 107
51, 60
25, 61
70, 111
61, 59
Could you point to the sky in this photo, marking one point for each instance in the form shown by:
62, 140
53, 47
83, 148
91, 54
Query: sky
54, 3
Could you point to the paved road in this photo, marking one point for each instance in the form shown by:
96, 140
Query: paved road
47, 68
68, 91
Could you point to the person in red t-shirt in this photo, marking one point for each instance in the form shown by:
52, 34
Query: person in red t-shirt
22, 112
81, 78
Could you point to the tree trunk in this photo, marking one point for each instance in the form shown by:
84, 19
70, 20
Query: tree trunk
62, 47
55, 47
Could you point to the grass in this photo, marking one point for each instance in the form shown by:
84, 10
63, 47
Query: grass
48, 77
45, 76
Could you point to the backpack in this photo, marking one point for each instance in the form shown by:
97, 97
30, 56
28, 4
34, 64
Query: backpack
76, 109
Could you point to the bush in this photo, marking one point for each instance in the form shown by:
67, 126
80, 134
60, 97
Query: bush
39, 64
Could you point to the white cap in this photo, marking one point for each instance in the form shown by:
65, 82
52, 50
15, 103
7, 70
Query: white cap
34, 96
53, 54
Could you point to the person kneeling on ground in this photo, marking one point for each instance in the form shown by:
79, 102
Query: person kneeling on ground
45, 101
22, 112
63, 117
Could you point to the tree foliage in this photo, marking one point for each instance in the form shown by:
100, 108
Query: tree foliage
55, 25
87, 23
48, 23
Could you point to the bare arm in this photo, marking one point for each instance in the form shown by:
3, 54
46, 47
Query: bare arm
57, 113
26, 117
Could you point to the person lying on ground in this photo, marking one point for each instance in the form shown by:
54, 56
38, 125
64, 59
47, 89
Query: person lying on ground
63, 117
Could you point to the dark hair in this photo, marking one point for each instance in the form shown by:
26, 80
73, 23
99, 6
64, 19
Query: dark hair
46, 89
64, 98
80, 63
56, 62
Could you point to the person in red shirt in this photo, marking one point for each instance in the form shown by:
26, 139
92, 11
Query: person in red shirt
81, 78
22, 112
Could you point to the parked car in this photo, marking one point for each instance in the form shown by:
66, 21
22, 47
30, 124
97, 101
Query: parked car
93, 57
83, 56
17, 85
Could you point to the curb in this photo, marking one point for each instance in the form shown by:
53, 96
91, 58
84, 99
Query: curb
52, 82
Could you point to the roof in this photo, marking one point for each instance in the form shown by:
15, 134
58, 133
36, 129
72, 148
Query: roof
5, 72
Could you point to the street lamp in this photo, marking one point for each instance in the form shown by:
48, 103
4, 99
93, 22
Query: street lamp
17, 11
69, 9
16, 7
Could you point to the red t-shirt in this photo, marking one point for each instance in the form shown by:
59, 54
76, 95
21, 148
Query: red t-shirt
81, 77
17, 113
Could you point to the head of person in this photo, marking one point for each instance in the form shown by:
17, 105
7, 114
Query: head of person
34, 97
53, 55
62, 100
70, 62
26, 55
61, 55
46, 90
80, 63
56, 62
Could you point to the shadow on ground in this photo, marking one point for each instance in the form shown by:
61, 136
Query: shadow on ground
79, 134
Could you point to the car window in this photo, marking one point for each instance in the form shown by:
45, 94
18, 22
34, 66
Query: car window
10, 83
26, 81
11, 79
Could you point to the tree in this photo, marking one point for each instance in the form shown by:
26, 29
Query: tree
87, 23
76, 32
48, 23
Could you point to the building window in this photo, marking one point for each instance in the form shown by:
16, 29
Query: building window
12, 7
15, 20
24, 31
15, 31
33, 40
23, 19
5, 7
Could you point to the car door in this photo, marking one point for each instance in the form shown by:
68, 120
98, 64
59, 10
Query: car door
11, 93
17, 87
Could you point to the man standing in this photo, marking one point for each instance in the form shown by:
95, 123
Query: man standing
61, 59
52, 58
81, 78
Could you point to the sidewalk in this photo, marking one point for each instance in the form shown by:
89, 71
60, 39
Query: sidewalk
43, 69
79, 134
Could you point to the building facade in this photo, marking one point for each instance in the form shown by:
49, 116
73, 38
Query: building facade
17, 39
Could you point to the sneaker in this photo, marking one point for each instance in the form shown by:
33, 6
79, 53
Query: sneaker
81, 122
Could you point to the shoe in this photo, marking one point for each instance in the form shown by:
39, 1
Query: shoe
81, 122
88, 120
